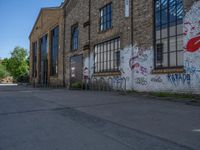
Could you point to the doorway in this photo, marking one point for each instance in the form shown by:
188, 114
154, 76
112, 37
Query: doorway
76, 71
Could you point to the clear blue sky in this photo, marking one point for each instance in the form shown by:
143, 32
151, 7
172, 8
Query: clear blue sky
17, 18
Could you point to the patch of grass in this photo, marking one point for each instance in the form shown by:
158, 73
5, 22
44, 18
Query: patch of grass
178, 96
175, 95
76, 85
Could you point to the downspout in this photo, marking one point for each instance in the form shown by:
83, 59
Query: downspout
132, 44
89, 38
64, 15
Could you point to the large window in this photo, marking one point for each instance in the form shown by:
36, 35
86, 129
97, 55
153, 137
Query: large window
44, 59
54, 51
106, 17
107, 56
74, 40
34, 59
168, 33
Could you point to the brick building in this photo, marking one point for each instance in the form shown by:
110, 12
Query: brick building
46, 44
144, 45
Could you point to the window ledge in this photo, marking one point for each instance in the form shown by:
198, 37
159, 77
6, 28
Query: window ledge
114, 73
104, 31
168, 70
54, 76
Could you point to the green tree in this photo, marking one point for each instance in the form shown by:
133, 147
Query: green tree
17, 64
3, 72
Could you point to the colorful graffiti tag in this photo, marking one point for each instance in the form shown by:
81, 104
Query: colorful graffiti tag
193, 44
157, 79
86, 73
178, 78
135, 63
190, 67
141, 81
192, 29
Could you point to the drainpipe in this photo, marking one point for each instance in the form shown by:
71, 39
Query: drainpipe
89, 38
132, 44
64, 15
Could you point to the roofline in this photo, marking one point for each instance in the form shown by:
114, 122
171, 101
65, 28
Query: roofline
65, 3
43, 9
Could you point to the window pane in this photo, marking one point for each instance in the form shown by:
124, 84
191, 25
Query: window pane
180, 29
164, 17
172, 44
75, 33
163, 4
165, 60
170, 29
180, 11
157, 5
54, 51
164, 33
158, 19
173, 59
172, 13
165, 45
180, 42
109, 56
106, 17
180, 58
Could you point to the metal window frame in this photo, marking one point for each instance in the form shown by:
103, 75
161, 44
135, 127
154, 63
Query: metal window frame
104, 22
177, 22
110, 64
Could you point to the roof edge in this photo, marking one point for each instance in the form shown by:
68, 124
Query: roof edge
40, 12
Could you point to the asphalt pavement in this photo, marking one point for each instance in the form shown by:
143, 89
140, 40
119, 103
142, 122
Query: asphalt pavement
60, 119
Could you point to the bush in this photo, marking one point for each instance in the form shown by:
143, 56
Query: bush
3, 72
23, 78
76, 85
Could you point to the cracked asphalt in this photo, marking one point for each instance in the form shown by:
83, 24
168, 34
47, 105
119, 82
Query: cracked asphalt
59, 119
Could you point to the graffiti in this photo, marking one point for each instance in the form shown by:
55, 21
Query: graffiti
193, 44
117, 80
192, 29
139, 58
135, 62
188, 27
86, 73
190, 69
143, 70
157, 79
141, 81
122, 71
139, 69
177, 79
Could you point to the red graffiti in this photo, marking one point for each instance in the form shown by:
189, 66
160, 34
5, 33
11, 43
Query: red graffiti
193, 44
188, 27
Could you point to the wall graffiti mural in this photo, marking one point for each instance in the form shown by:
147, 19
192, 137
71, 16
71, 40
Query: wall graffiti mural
141, 81
135, 63
193, 44
190, 67
157, 79
192, 29
139, 68
86, 73
178, 78
117, 80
